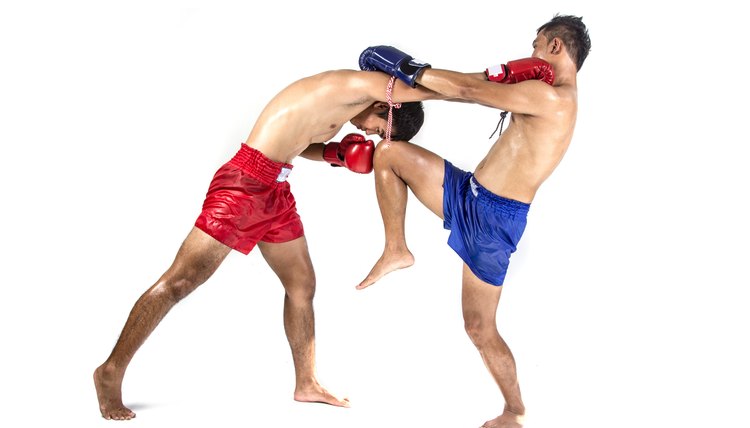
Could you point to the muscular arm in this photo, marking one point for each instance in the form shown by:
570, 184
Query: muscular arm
529, 97
479, 76
372, 84
313, 152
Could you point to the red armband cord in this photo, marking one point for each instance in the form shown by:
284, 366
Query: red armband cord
391, 106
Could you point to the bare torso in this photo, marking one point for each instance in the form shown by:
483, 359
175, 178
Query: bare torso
310, 110
529, 150
314, 109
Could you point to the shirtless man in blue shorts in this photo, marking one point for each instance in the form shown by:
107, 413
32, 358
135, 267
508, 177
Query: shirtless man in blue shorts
249, 203
484, 210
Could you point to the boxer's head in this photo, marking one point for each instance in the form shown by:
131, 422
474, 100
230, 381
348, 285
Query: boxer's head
569, 31
407, 120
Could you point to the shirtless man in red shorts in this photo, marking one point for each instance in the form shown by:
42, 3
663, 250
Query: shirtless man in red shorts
249, 203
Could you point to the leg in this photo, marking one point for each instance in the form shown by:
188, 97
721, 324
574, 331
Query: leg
198, 258
479, 302
399, 165
291, 263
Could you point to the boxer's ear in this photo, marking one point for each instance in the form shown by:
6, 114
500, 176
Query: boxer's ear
556, 46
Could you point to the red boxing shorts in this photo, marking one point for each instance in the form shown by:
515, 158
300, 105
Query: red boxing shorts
249, 201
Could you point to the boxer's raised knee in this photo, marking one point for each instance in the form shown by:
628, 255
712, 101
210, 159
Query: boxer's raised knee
381, 151
386, 154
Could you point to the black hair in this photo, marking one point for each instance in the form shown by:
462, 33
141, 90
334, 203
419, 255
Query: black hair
407, 120
573, 33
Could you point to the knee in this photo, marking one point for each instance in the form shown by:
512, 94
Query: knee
174, 289
301, 291
384, 153
479, 329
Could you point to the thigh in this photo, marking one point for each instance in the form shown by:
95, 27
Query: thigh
198, 257
479, 300
422, 170
289, 260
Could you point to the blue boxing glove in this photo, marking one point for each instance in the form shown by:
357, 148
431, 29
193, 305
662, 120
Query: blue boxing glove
392, 61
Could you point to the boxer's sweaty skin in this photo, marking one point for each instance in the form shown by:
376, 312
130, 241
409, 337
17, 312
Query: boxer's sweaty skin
540, 131
295, 122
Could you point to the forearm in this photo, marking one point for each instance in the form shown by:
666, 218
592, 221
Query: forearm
375, 83
313, 152
479, 76
404, 93
449, 84
410, 72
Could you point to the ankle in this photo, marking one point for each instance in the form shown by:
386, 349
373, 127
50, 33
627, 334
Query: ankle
110, 371
306, 383
395, 248
517, 410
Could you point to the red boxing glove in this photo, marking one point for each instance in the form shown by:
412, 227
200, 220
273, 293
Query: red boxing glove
520, 70
352, 152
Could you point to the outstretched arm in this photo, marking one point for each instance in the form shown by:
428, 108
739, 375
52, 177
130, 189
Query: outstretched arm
527, 97
374, 83
467, 87
355, 88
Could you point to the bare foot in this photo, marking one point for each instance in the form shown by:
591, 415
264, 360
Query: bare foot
109, 393
390, 260
317, 394
506, 420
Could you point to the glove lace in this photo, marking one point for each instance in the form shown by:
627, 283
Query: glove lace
391, 106
500, 124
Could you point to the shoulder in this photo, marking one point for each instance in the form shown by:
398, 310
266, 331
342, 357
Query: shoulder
341, 75
566, 95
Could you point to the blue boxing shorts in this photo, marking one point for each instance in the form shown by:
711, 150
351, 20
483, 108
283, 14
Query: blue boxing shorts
485, 228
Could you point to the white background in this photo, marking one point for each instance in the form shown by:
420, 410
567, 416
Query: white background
625, 305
